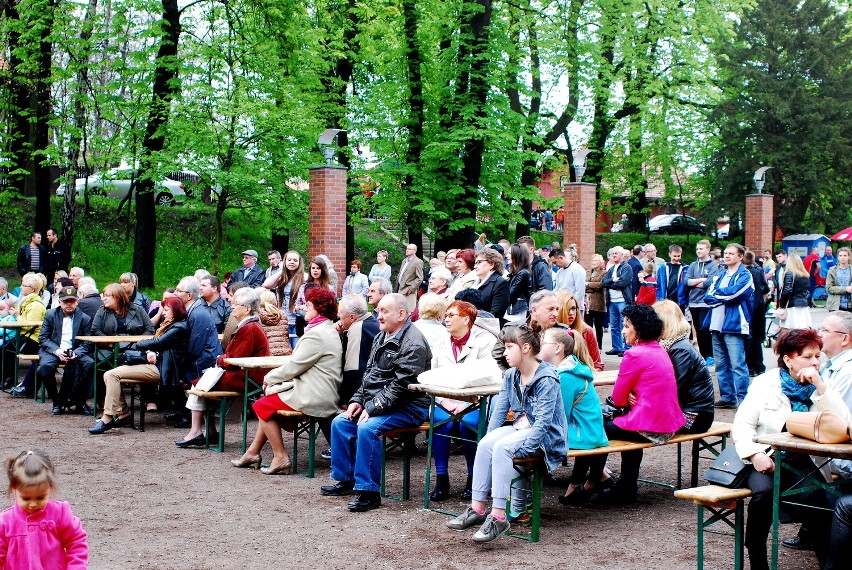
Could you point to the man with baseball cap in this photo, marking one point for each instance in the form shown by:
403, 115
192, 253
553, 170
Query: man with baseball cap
58, 344
250, 272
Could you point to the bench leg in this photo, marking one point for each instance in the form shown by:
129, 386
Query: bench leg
739, 517
312, 446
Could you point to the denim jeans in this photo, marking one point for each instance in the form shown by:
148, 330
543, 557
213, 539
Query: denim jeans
615, 324
466, 428
729, 354
840, 544
356, 449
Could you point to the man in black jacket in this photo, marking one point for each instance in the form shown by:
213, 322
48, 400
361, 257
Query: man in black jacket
32, 256
618, 282
58, 343
57, 254
252, 273
754, 354
383, 402
541, 276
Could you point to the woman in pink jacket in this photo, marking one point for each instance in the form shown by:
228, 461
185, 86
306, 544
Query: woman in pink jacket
646, 385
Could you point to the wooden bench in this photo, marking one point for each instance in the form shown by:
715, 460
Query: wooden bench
136, 389
533, 468
722, 503
225, 398
403, 439
40, 391
304, 425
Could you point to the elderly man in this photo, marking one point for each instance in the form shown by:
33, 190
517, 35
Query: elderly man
383, 402
58, 255
649, 251
378, 289
32, 256
410, 276
4, 292
618, 290
218, 308
90, 299
571, 276
250, 272
731, 301
75, 275
58, 344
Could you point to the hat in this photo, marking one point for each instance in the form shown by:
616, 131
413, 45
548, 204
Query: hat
497, 247
545, 248
68, 292
250, 252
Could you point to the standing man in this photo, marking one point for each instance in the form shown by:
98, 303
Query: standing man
649, 250
618, 282
670, 278
698, 277
410, 276
637, 265
758, 316
32, 256
571, 276
356, 282
780, 271
540, 274
383, 402
218, 308
58, 343
275, 266
730, 298
58, 255
828, 261
250, 272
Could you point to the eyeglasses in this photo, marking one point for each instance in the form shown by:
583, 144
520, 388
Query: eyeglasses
825, 330
451, 315
478, 261
182, 291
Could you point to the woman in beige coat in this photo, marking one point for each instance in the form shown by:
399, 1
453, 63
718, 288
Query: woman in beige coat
308, 383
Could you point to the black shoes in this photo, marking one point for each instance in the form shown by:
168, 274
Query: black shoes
612, 352
101, 427
7, 383
340, 489
441, 492
83, 410
197, 441
467, 494
366, 501
20, 391
618, 494
798, 543
723, 405
577, 498
57, 410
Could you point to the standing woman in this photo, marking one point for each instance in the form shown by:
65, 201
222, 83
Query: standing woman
466, 277
520, 284
531, 391
595, 305
838, 283
287, 284
381, 267
30, 307
794, 295
493, 287
569, 314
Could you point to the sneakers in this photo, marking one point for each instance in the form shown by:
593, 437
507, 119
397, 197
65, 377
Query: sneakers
326, 454
491, 529
524, 517
466, 520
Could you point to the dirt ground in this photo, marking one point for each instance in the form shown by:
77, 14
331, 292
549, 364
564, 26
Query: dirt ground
149, 505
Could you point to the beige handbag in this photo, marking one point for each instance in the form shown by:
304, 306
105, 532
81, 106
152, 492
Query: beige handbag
821, 427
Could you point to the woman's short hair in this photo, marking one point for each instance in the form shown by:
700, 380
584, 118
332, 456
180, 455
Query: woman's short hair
432, 306
129, 278
467, 256
792, 342
647, 323
32, 280
520, 335
357, 263
493, 257
674, 323
177, 307
599, 257
122, 299
465, 309
441, 272
248, 298
323, 300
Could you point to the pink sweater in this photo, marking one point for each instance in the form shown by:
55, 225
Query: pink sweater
51, 539
647, 371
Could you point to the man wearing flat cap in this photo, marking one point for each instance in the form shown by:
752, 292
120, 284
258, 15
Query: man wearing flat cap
58, 344
250, 272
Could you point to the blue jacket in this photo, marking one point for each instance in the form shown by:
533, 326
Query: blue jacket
735, 298
203, 347
542, 403
624, 283
585, 420
666, 273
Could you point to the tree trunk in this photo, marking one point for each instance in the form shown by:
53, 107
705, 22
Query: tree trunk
416, 118
42, 104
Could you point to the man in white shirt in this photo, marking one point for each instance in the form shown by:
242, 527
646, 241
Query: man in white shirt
275, 265
571, 276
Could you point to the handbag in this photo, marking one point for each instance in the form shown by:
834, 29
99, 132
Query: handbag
609, 410
132, 357
209, 379
821, 427
728, 470
519, 308
781, 314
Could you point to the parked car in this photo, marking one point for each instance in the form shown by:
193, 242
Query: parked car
676, 224
115, 183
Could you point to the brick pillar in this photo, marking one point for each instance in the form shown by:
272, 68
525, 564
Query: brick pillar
327, 217
759, 222
579, 222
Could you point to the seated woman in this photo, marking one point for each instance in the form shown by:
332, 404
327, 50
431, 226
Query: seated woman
569, 314
796, 385
118, 317
164, 353
531, 391
273, 321
308, 383
249, 340
646, 383
694, 383
464, 342
31, 307
583, 414
439, 279
431, 308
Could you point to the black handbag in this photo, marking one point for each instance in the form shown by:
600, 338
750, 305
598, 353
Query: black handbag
609, 410
728, 470
131, 357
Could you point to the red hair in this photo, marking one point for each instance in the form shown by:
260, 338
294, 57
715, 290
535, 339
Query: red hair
323, 300
468, 256
792, 342
177, 307
465, 309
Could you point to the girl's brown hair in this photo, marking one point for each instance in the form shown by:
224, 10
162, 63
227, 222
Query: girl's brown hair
28, 469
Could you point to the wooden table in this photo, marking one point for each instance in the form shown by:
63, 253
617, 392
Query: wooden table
790, 444
115, 341
249, 363
477, 397
605, 377
17, 342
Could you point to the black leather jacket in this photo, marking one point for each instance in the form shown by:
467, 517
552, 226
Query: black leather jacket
795, 291
171, 349
393, 365
694, 383
105, 324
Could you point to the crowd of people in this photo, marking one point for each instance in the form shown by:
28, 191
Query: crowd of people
535, 311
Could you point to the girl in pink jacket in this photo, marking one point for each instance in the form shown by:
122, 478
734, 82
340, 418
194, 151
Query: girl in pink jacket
38, 533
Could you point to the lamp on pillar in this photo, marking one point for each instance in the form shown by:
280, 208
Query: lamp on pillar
760, 178
580, 163
325, 139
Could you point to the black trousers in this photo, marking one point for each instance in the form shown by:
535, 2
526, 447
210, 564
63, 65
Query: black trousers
840, 541
596, 320
705, 344
630, 460
76, 379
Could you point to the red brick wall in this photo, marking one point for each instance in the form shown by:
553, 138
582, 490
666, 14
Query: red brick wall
327, 217
580, 214
759, 217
